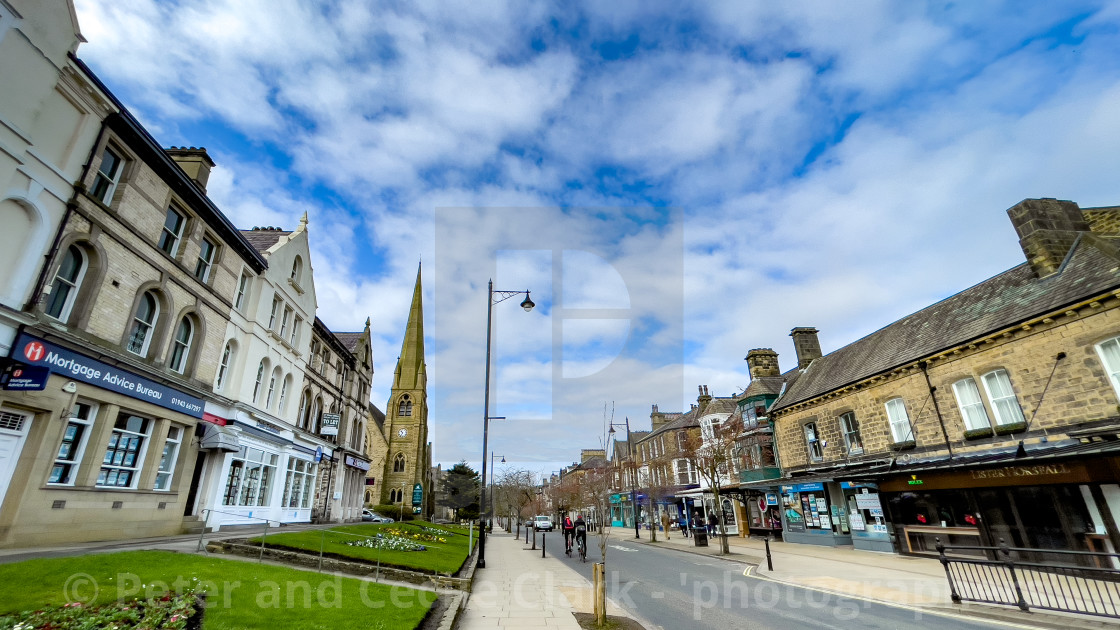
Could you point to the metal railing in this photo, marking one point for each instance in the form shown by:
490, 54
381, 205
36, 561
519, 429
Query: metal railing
1083, 582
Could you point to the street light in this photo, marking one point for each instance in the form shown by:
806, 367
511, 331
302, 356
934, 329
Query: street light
528, 305
633, 472
490, 517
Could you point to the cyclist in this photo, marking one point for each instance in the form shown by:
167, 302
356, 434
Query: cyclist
581, 532
568, 528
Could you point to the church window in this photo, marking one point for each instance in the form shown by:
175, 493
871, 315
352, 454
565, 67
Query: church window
398, 463
405, 408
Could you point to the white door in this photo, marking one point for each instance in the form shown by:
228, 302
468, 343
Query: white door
13, 431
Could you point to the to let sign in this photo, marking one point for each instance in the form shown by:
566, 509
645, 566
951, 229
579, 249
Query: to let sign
330, 424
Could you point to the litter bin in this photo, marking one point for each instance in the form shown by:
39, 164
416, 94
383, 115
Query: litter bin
700, 537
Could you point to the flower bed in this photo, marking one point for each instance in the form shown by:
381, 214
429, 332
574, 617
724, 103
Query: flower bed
381, 541
169, 612
415, 536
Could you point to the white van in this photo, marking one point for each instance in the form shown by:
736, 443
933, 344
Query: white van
542, 523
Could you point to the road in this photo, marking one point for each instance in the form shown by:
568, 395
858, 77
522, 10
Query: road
674, 589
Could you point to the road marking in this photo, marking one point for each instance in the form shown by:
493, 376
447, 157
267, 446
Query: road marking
621, 548
656, 595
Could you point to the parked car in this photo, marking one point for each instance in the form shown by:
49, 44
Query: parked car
373, 517
542, 523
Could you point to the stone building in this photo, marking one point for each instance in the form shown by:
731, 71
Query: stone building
377, 452
990, 415
136, 302
407, 473
50, 116
759, 470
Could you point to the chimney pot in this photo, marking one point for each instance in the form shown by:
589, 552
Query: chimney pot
195, 162
806, 344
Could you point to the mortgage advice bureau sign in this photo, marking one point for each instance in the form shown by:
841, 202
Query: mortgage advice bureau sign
79, 367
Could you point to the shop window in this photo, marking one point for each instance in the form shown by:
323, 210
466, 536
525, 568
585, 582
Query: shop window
108, 176
849, 427
813, 442
73, 444
971, 406
167, 460
181, 346
398, 463
249, 483
205, 262
64, 289
172, 233
1004, 404
901, 430
124, 456
143, 323
242, 291
299, 484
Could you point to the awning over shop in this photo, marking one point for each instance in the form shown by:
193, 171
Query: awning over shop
218, 438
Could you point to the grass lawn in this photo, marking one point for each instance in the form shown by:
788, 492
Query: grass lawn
440, 557
239, 594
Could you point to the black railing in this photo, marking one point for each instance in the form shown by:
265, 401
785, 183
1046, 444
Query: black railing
1079, 582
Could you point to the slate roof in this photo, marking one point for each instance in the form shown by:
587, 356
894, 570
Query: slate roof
377, 415
1009, 298
765, 386
263, 238
350, 339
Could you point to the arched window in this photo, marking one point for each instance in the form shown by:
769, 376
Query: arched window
393, 495
144, 320
223, 366
271, 388
181, 346
297, 270
316, 419
369, 497
301, 415
405, 408
283, 393
259, 381
398, 463
66, 282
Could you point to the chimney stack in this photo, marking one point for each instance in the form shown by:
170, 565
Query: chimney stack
704, 398
1047, 229
763, 362
806, 345
195, 162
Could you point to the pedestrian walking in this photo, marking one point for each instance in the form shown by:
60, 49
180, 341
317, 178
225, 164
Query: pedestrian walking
713, 522
683, 523
665, 524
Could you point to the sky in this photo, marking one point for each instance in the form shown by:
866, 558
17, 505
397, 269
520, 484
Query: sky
676, 184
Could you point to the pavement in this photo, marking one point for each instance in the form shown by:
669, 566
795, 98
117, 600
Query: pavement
889, 578
520, 589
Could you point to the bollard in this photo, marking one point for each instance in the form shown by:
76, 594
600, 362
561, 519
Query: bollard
544, 535
202, 533
534, 539
769, 560
526, 535
263, 536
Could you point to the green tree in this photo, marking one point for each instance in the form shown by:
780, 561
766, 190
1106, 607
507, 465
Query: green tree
460, 491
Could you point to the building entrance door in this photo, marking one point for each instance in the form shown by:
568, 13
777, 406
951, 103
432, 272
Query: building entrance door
13, 431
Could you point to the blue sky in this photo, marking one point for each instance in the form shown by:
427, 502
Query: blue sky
733, 169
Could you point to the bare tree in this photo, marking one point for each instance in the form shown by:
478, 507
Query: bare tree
712, 453
514, 490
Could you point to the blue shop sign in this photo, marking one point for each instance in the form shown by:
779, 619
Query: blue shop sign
22, 377
804, 487
851, 485
58, 360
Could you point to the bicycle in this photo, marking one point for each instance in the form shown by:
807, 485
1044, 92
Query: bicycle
582, 546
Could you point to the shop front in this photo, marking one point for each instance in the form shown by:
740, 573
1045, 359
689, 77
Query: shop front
815, 514
1056, 505
866, 517
91, 450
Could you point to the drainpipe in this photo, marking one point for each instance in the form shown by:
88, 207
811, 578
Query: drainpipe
936, 407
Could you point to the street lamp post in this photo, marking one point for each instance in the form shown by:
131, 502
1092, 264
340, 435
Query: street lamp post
633, 471
490, 516
528, 305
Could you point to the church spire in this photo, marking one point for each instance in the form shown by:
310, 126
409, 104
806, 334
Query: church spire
410, 372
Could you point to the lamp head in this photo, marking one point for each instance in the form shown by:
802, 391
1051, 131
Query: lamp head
503, 459
611, 431
527, 304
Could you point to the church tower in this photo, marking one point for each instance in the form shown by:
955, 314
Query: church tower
406, 417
